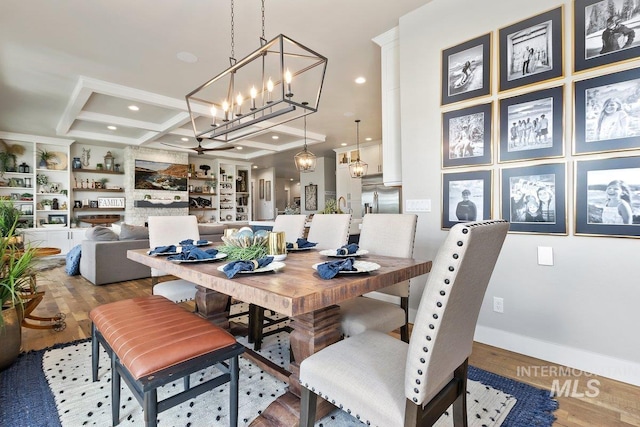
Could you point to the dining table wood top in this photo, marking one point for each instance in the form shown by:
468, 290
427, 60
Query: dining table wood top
297, 288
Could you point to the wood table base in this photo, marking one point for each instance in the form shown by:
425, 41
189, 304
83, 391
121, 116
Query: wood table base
311, 333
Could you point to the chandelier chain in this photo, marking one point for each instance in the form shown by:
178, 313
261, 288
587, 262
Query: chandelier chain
233, 54
263, 20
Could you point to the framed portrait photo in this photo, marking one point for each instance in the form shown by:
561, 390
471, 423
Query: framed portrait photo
533, 198
531, 51
607, 113
466, 70
608, 197
606, 32
531, 126
466, 136
466, 196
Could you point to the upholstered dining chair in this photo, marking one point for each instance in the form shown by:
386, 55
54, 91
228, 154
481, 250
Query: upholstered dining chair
387, 235
329, 231
363, 374
293, 228
169, 230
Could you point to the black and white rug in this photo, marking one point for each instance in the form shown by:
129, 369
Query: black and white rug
53, 387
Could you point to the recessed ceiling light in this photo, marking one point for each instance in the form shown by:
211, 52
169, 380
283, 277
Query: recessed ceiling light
348, 114
134, 108
368, 138
344, 144
238, 148
255, 166
187, 57
361, 80
275, 137
290, 179
184, 139
112, 127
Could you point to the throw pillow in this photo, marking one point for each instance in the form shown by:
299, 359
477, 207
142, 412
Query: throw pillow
133, 232
73, 261
100, 233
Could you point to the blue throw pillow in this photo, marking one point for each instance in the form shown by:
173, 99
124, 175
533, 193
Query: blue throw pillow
73, 261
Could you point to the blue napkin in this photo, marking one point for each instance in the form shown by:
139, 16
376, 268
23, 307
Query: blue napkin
349, 249
163, 249
329, 270
187, 242
190, 253
301, 244
234, 267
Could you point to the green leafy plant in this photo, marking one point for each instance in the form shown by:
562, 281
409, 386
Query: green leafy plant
9, 216
42, 179
104, 181
45, 156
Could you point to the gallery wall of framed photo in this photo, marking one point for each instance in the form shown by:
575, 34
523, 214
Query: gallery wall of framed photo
556, 143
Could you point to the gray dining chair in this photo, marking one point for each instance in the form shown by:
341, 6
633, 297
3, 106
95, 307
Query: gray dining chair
169, 230
383, 381
293, 228
387, 235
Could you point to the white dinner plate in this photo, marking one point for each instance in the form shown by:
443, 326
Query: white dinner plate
273, 266
216, 257
332, 253
360, 266
208, 242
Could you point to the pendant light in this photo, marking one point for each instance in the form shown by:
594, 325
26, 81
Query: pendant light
358, 168
305, 160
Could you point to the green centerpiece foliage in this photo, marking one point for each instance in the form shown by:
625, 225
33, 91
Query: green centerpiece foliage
245, 245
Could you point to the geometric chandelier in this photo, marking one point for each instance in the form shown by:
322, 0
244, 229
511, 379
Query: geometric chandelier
305, 160
279, 82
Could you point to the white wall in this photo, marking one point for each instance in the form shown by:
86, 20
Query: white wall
264, 210
581, 312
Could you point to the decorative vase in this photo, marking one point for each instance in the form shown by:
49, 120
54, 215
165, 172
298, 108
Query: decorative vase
76, 164
42, 164
10, 337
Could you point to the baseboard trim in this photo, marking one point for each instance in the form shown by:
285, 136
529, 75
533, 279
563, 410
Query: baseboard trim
599, 364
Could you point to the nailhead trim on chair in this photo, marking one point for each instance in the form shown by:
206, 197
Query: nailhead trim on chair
333, 402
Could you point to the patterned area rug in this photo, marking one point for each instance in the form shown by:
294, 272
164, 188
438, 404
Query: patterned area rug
59, 379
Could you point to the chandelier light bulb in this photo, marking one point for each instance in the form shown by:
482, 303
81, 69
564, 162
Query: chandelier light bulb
287, 78
239, 103
269, 90
213, 115
254, 93
225, 108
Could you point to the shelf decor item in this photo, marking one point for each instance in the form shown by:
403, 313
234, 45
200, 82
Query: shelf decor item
77, 163
108, 161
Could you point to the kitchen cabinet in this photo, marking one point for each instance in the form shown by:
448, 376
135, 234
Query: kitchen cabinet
372, 156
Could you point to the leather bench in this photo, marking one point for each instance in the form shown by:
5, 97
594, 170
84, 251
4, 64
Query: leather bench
152, 342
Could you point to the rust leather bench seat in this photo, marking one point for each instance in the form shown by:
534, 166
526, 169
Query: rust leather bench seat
151, 342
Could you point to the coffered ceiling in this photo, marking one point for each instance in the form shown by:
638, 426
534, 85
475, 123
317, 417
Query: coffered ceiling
72, 69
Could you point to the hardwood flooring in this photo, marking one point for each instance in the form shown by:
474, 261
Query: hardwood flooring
614, 403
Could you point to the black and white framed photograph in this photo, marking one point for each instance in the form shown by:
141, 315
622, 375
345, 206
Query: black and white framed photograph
531, 51
466, 136
466, 70
466, 196
311, 197
606, 32
607, 113
534, 198
608, 197
531, 126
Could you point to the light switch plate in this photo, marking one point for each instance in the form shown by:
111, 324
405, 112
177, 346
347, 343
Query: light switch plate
418, 205
545, 255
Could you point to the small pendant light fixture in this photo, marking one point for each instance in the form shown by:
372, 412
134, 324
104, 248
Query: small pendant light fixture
305, 160
358, 168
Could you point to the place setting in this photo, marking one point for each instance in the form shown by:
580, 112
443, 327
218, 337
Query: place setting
300, 245
187, 252
347, 264
259, 252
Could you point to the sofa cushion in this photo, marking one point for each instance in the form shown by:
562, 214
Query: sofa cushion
133, 232
100, 233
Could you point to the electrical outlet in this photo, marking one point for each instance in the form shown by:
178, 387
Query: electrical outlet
498, 305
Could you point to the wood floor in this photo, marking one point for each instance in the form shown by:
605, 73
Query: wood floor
616, 403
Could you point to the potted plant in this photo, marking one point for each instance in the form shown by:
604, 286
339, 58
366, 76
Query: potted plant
46, 204
42, 181
15, 275
99, 166
44, 156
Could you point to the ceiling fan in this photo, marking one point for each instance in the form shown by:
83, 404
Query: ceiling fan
200, 149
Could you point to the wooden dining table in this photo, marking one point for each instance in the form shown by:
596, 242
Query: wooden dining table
296, 291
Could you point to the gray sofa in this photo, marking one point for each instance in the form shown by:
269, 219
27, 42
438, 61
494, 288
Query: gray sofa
104, 253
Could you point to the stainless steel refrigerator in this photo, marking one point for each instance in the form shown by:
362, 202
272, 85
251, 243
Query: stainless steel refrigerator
378, 198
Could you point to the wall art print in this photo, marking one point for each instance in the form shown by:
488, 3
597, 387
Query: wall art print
466, 136
466, 196
608, 197
531, 125
150, 175
607, 113
466, 70
531, 50
606, 32
534, 198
